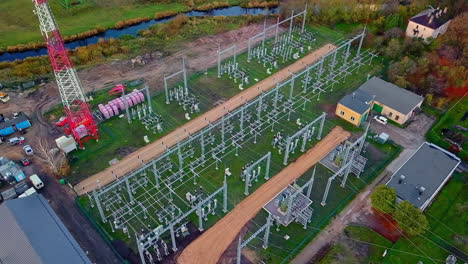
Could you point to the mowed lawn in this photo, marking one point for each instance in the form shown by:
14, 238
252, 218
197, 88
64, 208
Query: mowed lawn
19, 25
447, 232
359, 244
453, 117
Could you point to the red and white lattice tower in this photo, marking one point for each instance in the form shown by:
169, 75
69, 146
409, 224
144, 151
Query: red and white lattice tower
79, 118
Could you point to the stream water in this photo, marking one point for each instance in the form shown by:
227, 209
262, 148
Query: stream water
133, 30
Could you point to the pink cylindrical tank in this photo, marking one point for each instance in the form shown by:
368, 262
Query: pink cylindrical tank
120, 103
142, 96
129, 101
134, 99
115, 108
109, 109
104, 111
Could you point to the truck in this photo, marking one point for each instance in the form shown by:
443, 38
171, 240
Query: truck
4, 97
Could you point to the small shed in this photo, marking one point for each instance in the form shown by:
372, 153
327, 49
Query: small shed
383, 138
9, 168
66, 144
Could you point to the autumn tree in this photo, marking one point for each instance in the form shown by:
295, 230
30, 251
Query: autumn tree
383, 199
410, 219
53, 157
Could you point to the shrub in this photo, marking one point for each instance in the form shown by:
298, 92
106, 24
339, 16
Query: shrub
130, 22
410, 219
159, 15
383, 199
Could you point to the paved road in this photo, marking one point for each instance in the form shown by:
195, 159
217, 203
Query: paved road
410, 138
217, 239
155, 149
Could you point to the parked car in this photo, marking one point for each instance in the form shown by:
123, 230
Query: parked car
28, 150
381, 119
25, 162
16, 141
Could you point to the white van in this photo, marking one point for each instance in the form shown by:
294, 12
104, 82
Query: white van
36, 181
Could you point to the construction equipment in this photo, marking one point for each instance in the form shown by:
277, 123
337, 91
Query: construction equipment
81, 124
119, 88
4, 97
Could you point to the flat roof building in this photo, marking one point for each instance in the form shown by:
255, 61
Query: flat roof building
423, 175
32, 233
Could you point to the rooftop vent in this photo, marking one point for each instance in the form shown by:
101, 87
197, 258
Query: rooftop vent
402, 178
421, 190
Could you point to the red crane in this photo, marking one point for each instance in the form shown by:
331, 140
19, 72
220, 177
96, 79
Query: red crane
81, 124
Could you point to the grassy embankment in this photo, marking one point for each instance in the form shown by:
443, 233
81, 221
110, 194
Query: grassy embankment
18, 25
449, 120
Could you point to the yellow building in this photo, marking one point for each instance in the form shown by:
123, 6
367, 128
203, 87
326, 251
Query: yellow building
355, 107
428, 24
385, 98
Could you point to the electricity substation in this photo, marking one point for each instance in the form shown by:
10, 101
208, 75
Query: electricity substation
195, 178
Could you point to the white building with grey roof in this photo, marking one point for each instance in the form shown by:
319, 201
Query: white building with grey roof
423, 175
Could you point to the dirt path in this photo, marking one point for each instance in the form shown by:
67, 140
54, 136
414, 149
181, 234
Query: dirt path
220, 236
155, 149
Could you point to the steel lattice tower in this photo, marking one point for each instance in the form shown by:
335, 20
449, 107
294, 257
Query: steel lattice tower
81, 124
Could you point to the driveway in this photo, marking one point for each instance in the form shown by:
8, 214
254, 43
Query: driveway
410, 137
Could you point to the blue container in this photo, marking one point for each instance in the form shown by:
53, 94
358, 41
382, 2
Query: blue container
6, 131
23, 125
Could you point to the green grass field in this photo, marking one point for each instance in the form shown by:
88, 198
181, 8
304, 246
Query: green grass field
358, 245
449, 120
447, 232
18, 24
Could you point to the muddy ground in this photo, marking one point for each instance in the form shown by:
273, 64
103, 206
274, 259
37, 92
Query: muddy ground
201, 54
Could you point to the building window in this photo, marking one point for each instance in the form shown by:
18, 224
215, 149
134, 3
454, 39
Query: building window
342, 113
352, 118
390, 114
397, 117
